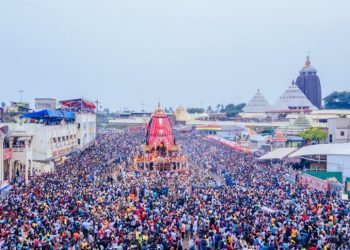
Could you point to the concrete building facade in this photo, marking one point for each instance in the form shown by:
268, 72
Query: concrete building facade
86, 129
44, 103
339, 130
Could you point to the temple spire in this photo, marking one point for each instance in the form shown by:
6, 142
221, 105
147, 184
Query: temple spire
307, 62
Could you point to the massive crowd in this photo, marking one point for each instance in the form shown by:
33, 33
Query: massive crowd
225, 200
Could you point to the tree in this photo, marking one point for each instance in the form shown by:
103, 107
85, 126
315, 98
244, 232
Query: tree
209, 109
268, 131
314, 134
232, 110
337, 100
195, 110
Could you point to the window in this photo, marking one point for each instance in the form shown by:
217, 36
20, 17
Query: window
342, 133
79, 141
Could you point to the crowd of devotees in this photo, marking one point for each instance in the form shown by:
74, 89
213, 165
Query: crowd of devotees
225, 199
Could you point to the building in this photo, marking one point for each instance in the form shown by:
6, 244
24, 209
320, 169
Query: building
292, 100
181, 115
224, 131
16, 162
295, 127
54, 136
309, 83
339, 130
45, 103
86, 128
18, 107
279, 140
258, 141
1, 114
333, 158
258, 104
85, 120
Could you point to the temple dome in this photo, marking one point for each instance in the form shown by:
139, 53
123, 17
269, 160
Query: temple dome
299, 125
292, 99
258, 104
309, 83
307, 68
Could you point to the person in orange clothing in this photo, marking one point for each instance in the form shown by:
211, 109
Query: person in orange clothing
76, 236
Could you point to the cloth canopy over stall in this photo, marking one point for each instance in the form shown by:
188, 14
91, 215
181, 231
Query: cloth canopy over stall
278, 154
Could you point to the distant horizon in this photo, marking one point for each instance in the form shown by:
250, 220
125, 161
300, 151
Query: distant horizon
134, 54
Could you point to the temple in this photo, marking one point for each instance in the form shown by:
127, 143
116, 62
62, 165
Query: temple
292, 100
160, 151
309, 83
258, 104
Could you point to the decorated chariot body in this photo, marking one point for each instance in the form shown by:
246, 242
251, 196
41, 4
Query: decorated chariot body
160, 151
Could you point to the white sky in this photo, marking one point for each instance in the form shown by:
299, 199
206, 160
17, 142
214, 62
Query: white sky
177, 52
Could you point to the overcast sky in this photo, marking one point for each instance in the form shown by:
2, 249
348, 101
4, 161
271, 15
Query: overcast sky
126, 53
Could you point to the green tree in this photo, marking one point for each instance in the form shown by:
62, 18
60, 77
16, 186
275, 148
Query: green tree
232, 110
195, 110
268, 131
337, 100
314, 134
218, 108
209, 109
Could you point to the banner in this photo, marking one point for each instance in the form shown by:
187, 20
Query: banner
7, 153
314, 182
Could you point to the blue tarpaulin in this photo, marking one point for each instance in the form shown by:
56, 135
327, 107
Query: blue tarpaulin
48, 114
68, 115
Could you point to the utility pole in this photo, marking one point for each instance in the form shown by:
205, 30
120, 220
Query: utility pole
21, 91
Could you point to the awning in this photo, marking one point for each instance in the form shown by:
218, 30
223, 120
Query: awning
46, 113
50, 114
323, 149
78, 103
278, 154
231, 144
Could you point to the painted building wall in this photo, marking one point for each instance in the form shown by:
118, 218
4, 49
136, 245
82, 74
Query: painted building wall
339, 163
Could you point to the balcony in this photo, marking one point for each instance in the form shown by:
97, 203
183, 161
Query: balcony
18, 149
